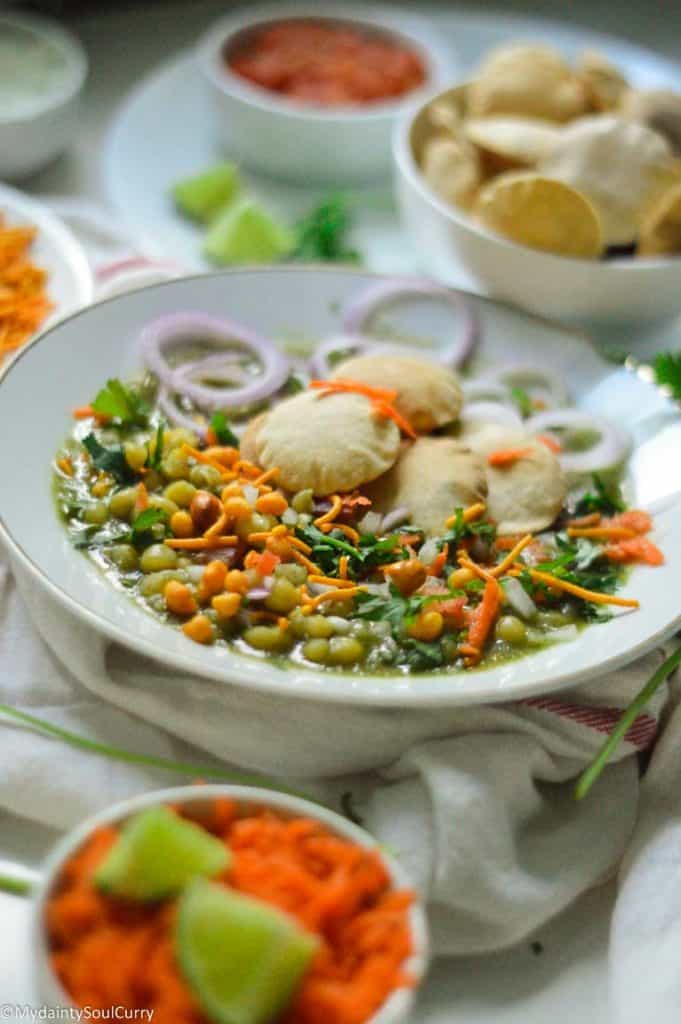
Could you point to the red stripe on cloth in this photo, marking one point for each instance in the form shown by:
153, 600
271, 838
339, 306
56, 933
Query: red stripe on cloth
641, 733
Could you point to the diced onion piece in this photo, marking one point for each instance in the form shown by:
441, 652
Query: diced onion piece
518, 598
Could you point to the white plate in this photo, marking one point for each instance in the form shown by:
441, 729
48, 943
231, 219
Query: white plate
171, 147
70, 283
66, 367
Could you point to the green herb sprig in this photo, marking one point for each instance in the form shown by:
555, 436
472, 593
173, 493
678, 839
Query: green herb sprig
125, 405
109, 460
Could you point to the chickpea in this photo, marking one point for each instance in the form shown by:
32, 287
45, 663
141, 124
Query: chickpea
345, 650
121, 503
182, 524
179, 598
237, 508
237, 582
408, 575
283, 596
460, 578
205, 510
226, 606
511, 630
427, 627
213, 578
101, 488
205, 476
135, 454
200, 629
181, 492
158, 557
273, 504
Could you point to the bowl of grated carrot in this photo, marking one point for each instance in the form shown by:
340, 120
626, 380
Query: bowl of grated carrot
220, 904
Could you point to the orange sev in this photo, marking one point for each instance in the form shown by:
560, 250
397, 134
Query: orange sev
333, 512
201, 543
593, 596
510, 558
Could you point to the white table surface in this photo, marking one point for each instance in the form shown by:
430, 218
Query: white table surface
568, 976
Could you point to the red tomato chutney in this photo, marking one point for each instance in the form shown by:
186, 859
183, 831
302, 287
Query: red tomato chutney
110, 952
327, 63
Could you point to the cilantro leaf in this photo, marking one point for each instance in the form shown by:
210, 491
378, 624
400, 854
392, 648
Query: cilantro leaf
460, 529
522, 401
222, 430
142, 524
109, 460
667, 368
606, 499
322, 234
117, 402
155, 459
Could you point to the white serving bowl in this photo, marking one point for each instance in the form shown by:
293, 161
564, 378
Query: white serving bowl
30, 140
297, 141
616, 294
46, 987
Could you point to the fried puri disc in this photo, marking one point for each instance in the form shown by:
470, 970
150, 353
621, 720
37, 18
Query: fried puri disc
527, 80
661, 229
247, 448
527, 495
333, 442
537, 211
432, 477
604, 83
508, 142
428, 395
451, 167
622, 166
660, 109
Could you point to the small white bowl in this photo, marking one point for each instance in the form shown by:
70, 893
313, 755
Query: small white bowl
46, 987
622, 293
297, 141
31, 138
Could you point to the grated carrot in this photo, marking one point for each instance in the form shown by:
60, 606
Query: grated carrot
439, 562
142, 499
636, 549
633, 519
507, 457
345, 384
482, 620
389, 412
65, 465
24, 304
550, 443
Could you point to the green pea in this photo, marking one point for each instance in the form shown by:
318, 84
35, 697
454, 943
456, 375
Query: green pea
155, 582
205, 477
267, 638
302, 501
319, 626
255, 523
135, 454
511, 630
153, 481
317, 651
124, 557
283, 596
298, 623
297, 574
181, 492
96, 514
121, 503
552, 619
175, 464
345, 650
164, 503
158, 557
176, 436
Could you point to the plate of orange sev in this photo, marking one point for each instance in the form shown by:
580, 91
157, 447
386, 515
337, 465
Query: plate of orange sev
44, 272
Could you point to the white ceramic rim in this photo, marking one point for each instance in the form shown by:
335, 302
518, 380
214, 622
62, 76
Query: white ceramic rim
409, 28
65, 244
70, 46
421, 690
398, 1003
405, 162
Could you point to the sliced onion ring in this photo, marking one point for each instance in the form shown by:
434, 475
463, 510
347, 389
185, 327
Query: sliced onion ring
491, 412
320, 364
174, 328
610, 449
358, 314
537, 381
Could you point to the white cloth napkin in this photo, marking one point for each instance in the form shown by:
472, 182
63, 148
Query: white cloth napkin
477, 802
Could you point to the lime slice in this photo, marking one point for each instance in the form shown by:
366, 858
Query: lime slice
242, 958
203, 196
246, 233
156, 854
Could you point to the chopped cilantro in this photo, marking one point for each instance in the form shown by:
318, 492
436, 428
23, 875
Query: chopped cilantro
667, 368
606, 499
327, 549
460, 529
522, 401
322, 234
117, 402
109, 460
222, 430
142, 524
155, 459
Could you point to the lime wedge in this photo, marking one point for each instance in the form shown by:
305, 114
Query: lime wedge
246, 233
204, 195
242, 958
156, 854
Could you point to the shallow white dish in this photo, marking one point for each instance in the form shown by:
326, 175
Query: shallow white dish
31, 138
311, 143
174, 147
70, 282
67, 366
394, 1010
619, 293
